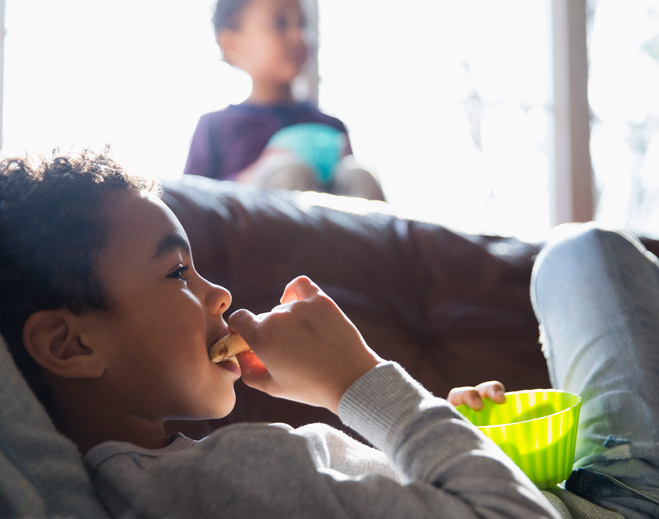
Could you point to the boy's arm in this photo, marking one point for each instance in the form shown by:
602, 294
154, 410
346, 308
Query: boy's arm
445, 468
450, 466
307, 350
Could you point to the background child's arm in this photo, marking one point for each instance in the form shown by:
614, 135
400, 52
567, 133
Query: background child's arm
305, 349
473, 395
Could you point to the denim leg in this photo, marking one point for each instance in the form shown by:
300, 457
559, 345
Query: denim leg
596, 295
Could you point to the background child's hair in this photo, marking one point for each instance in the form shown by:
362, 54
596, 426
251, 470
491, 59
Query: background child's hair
227, 13
52, 226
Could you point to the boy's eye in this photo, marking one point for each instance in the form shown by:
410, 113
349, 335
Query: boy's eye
179, 273
281, 23
284, 22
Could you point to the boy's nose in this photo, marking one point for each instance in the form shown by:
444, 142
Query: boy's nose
218, 299
298, 33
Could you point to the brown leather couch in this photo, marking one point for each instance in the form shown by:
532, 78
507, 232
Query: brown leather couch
452, 308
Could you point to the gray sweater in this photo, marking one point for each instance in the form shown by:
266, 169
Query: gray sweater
428, 462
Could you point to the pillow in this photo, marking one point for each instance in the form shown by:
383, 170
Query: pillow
41, 471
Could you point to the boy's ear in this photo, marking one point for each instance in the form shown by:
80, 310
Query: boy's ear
54, 341
226, 40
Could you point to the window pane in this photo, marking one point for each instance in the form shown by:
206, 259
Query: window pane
449, 102
623, 90
135, 74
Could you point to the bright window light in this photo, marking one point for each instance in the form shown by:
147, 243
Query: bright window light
622, 89
449, 102
132, 74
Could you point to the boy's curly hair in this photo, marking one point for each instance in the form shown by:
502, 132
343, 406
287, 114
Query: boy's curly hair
52, 227
227, 13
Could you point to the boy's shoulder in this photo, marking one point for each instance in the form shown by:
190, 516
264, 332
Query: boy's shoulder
319, 116
236, 457
301, 111
226, 439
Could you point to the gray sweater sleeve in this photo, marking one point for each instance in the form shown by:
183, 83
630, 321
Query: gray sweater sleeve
449, 469
444, 468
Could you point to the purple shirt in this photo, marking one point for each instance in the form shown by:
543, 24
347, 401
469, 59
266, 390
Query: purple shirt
226, 142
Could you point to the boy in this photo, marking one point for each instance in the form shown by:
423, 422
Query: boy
265, 39
111, 324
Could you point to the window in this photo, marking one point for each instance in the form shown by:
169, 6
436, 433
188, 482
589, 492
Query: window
454, 104
624, 99
450, 103
135, 74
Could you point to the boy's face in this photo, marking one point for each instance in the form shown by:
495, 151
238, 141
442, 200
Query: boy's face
162, 318
269, 43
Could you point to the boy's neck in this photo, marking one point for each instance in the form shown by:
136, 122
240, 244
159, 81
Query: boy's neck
90, 424
271, 93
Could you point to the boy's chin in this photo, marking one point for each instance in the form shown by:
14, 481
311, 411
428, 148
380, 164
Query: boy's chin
219, 408
229, 405
212, 408
200, 424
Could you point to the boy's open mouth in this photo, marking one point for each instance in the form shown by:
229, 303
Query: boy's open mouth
231, 364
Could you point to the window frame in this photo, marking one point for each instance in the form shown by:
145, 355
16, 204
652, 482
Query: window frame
3, 33
571, 174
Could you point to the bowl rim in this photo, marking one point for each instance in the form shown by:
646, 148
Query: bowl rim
507, 393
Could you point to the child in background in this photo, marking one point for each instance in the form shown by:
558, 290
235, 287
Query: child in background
265, 38
108, 320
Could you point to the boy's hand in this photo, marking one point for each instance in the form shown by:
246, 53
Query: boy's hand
308, 350
473, 396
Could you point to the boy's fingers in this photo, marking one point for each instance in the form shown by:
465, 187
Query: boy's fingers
454, 397
300, 288
253, 370
290, 295
243, 322
466, 395
494, 390
473, 396
249, 360
257, 379
473, 399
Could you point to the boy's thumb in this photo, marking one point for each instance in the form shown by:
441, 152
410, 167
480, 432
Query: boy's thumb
244, 323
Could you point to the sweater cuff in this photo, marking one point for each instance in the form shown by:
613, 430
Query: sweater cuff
380, 400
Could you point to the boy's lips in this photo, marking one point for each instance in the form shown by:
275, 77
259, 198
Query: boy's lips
299, 56
232, 365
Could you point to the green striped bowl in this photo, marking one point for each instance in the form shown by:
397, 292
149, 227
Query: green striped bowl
536, 428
